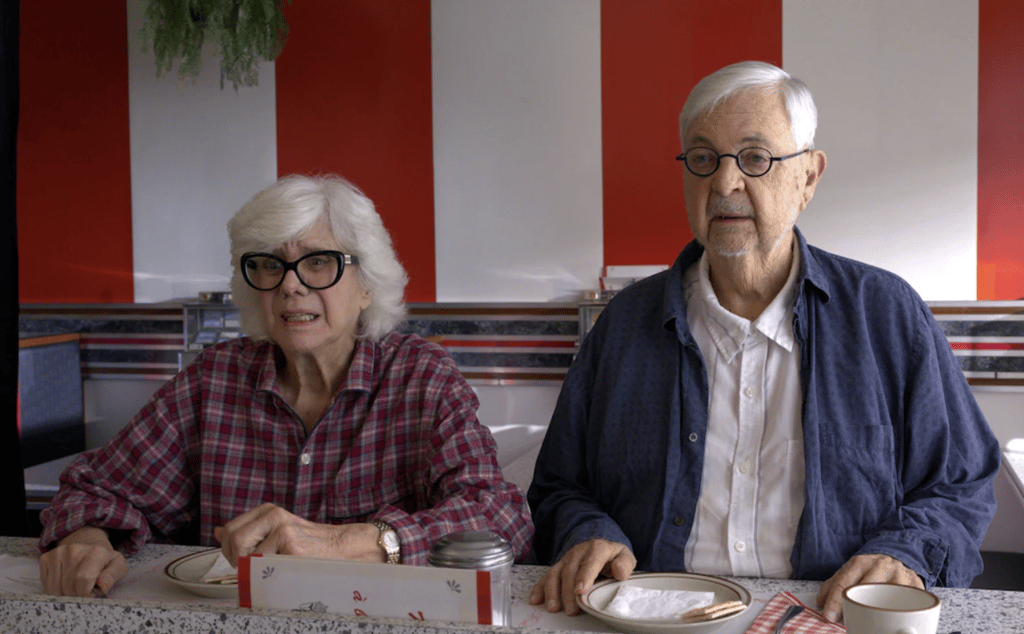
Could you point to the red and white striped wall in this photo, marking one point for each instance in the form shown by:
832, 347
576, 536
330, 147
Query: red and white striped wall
515, 148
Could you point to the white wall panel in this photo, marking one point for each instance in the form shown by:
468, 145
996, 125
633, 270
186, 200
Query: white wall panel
517, 148
1002, 410
197, 154
896, 85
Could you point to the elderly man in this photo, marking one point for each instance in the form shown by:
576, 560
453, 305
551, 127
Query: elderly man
762, 408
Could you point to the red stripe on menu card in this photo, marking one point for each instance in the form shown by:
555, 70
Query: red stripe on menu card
244, 589
483, 597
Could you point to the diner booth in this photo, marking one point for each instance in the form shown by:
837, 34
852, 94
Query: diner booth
50, 415
520, 154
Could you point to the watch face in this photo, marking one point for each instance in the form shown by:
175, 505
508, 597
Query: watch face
390, 540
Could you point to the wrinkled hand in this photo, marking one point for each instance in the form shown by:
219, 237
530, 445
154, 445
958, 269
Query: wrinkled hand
84, 564
863, 569
575, 573
269, 529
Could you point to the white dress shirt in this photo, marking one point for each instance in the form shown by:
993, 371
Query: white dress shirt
752, 488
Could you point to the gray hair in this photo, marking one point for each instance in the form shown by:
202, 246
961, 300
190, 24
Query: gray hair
286, 211
736, 78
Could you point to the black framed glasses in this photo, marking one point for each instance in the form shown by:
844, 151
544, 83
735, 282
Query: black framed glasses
317, 270
752, 161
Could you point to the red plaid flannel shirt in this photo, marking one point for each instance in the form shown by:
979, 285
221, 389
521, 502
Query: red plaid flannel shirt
400, 443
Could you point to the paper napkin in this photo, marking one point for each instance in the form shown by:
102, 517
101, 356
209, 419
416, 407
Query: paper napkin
807, 622
220, 568
631, 602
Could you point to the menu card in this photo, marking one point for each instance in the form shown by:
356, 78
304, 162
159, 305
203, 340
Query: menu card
287, 582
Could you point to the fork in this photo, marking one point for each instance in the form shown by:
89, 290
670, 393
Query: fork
790, 612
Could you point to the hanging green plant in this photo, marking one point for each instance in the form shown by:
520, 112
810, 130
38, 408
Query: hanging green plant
245, 32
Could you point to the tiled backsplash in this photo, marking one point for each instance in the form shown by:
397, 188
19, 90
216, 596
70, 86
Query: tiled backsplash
987, 338
492, 343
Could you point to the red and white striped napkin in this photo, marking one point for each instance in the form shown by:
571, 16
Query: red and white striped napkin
809, 621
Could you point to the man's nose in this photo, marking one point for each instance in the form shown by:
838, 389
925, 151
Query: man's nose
728, 177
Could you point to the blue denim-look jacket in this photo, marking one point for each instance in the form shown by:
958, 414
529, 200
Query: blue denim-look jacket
899, 458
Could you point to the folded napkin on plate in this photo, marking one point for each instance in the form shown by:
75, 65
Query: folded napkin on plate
631, 602
807, 622
220, 569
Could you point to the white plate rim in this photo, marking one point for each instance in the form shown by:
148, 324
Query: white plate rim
198, 587
666, 625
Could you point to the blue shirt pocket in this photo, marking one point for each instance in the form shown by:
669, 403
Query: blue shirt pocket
858, 478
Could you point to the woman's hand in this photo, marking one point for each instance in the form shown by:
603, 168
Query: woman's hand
269, 529
84, 564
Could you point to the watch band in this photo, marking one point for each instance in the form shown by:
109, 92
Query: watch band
388, 540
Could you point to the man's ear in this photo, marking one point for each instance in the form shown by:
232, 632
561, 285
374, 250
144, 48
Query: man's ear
815, 168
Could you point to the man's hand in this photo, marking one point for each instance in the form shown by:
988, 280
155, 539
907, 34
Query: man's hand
83, 564
863, 569
574, 574
269, 529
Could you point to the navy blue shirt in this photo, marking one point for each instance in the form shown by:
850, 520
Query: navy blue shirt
899, 458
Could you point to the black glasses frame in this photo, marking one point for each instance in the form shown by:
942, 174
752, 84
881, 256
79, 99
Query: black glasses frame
719, 157
342, 258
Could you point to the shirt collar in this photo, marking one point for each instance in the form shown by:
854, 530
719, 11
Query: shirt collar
776, 321
726, 329
360, 372
729, 330
359, 377
811, 273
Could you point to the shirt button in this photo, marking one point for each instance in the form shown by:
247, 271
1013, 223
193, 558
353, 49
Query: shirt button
740, 546
305, 459
749, 392
693, 437
744, 466
678, 520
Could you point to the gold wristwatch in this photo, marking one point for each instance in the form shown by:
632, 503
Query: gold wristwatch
388, 540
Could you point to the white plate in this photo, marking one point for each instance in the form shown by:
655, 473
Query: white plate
188, 572
596, 601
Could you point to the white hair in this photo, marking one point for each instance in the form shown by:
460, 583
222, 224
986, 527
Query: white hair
287, 210
736, 78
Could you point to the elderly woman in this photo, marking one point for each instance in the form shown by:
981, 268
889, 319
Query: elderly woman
323, 433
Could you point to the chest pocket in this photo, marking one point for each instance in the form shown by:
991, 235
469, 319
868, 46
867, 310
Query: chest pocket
858, 473
351, 503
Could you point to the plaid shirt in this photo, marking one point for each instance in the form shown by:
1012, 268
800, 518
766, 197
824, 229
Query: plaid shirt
400, 443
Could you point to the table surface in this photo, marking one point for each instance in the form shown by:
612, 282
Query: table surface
145, 601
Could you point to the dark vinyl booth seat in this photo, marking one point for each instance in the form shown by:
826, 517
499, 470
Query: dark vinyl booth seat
50, 417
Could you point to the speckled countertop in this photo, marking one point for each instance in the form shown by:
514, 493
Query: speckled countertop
967, 611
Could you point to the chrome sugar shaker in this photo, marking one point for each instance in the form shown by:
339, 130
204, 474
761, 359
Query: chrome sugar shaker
480, 550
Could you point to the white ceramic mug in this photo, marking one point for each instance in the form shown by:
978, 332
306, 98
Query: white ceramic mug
887, 608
